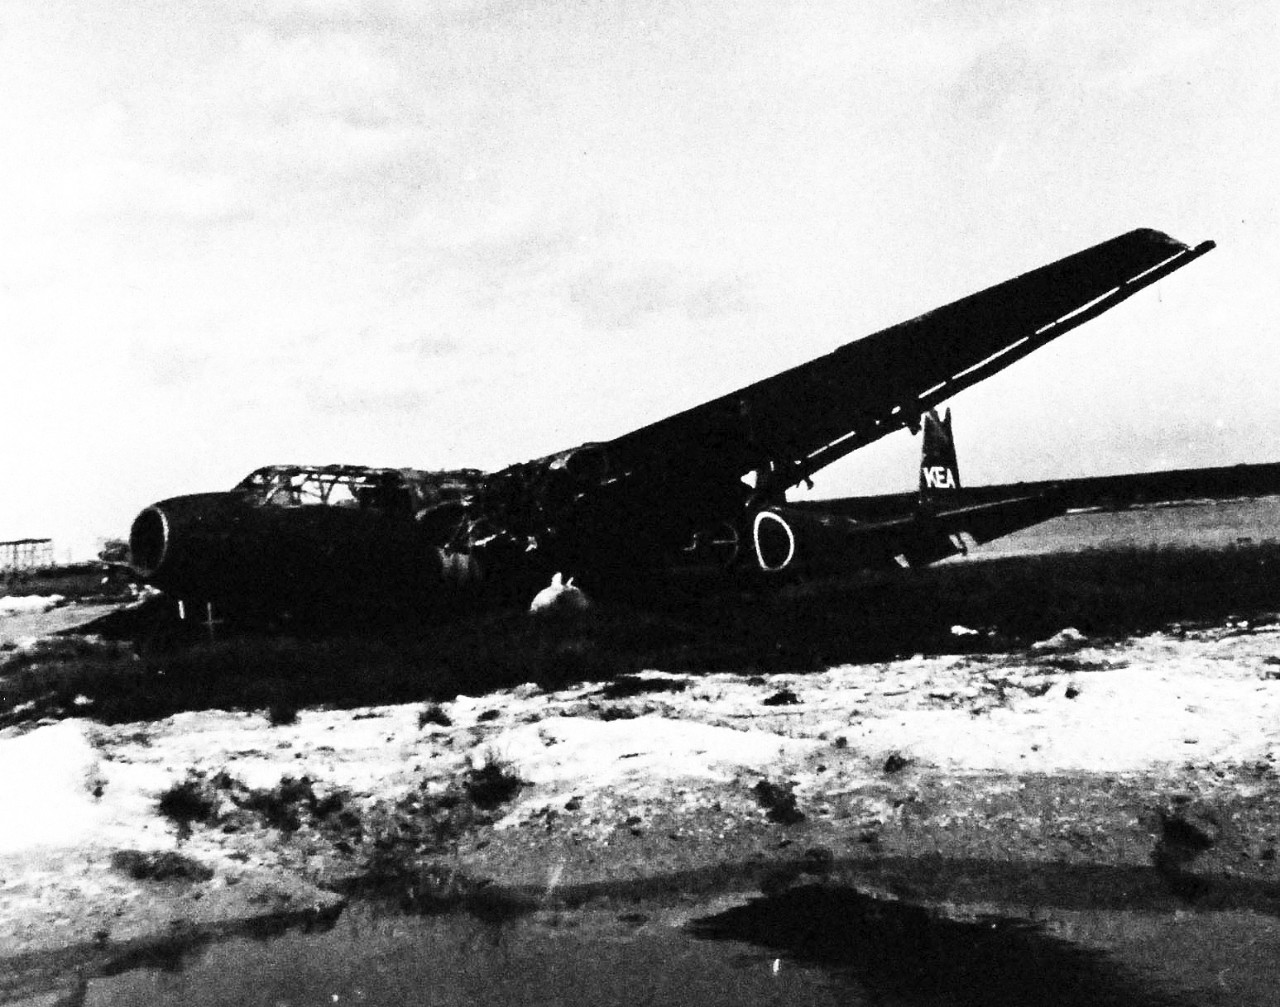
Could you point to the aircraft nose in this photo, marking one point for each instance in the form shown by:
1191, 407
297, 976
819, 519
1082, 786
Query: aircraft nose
175, 538
221, 547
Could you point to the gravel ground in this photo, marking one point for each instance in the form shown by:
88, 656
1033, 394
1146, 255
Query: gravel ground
1138, 773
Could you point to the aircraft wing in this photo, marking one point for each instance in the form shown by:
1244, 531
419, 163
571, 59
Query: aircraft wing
807, 417
806, 538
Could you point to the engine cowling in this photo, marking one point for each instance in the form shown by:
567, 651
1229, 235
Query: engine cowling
775, 540
790, 540
221, 547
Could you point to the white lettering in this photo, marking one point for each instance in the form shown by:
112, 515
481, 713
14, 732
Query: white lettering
939, 477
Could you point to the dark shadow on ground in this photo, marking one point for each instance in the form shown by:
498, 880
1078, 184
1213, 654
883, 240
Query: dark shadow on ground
905, 954
69, 970
829, 912
1019, 884
1022, 887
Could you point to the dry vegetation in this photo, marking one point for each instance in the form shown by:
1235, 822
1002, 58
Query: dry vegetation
82, 581
1010, 601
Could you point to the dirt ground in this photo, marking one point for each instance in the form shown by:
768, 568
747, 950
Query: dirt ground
1138, 773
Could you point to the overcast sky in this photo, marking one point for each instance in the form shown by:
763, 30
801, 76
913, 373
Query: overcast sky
436, 234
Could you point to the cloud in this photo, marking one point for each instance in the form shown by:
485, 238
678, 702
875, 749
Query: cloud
169, 367
509, 249
430, 347
326, 72
723, 296
1072, 57
620, 298
997, 76
329, 399
136, 190
387, 16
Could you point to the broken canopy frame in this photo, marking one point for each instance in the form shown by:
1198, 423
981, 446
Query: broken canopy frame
410, 490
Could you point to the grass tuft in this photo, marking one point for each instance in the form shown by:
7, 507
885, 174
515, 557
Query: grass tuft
159, 866
282, 713
187, 803
636, 685
493, 784
779, 802
1103, 593
433, 713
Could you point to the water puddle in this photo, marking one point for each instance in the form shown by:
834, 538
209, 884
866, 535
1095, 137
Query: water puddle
810, 944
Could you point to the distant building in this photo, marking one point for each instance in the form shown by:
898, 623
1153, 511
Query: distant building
26, 554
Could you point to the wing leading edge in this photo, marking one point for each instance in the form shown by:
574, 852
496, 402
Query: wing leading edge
791, 425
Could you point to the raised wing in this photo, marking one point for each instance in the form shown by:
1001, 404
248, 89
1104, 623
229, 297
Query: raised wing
789, 426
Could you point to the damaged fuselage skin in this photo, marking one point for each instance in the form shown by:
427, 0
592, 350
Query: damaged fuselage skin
704, 489
295, 537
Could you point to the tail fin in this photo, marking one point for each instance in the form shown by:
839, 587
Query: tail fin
939, 473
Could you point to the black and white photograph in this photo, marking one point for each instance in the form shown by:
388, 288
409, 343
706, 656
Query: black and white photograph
587, 502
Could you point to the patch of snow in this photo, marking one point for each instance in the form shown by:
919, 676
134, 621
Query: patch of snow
657, 750
1069, 637
30, 603
1149, 714
361, 750
1134, 705
47, 777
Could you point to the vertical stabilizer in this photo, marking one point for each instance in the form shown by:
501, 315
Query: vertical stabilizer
939, 473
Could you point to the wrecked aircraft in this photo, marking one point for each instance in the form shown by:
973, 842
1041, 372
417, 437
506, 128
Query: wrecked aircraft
703, 489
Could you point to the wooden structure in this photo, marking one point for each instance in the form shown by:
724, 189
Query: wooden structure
26, 554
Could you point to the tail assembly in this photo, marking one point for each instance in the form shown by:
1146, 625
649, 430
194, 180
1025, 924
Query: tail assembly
801, 538
939, 473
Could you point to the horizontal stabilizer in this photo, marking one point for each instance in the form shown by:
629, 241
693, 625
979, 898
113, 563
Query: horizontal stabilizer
793, 539
990, 521
948, 533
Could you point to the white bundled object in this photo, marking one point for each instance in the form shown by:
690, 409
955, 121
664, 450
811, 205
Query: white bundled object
559, 596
